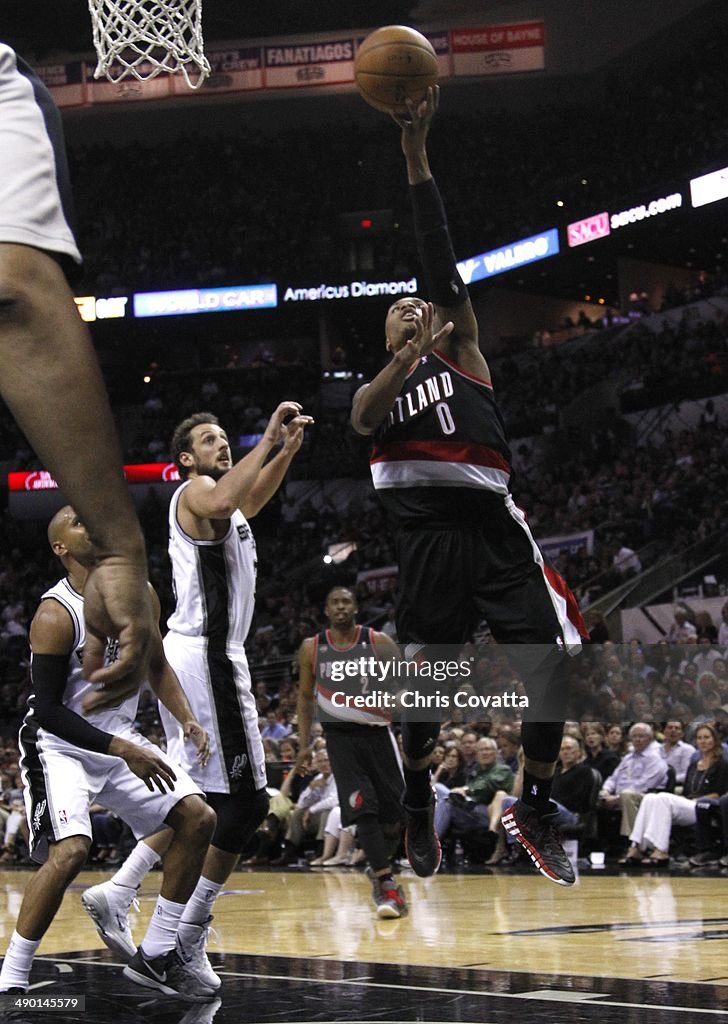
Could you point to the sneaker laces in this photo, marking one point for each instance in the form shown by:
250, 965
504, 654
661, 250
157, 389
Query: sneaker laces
548, 838
198, 945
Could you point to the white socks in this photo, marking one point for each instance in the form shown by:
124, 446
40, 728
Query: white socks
162, 931
199, 905
15, 971
136, 867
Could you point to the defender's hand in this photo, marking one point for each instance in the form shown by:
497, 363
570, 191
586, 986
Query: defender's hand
274, 431
116, 605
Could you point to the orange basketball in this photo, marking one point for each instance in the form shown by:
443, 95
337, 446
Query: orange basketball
392, 64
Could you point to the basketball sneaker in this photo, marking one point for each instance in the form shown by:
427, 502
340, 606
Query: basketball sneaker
167, 973
191, 943
420, 840
539, 838
108, 906
388, 898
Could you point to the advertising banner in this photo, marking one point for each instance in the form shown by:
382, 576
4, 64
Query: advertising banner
91, 309
128, 90
66, 82
324, 62
709, 188
498, 49
587, 230
234, 70
137, 473
205, 300
551, 547
441, 45
330, 292
508, 257
379, 580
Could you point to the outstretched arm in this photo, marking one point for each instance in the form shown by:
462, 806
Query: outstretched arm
271, 475
445, 286
206, 498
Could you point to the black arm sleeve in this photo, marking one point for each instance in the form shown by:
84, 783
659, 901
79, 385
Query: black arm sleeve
49, 673
445, 287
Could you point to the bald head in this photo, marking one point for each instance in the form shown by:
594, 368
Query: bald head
58, 524
68, 538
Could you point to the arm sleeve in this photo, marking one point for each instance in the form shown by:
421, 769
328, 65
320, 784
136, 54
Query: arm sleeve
445, 286
49, 673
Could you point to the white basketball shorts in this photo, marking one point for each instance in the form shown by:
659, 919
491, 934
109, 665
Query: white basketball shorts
35, 196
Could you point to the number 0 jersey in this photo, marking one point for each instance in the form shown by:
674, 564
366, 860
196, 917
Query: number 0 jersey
444, 433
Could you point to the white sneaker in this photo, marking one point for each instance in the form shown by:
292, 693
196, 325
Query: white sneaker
167, 974
191, 943
108, 906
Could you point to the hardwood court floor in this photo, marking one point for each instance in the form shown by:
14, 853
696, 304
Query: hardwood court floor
304, 945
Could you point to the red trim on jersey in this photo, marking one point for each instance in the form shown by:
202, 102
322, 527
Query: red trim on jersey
441, 451
572, 608
353, 643
458, 369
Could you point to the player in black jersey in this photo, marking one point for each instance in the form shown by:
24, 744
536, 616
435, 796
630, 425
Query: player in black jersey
441, 465
361, 747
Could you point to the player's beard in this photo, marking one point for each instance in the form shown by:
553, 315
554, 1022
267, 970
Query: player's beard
215, 472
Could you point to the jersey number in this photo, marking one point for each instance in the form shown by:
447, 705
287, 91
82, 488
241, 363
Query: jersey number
445, 417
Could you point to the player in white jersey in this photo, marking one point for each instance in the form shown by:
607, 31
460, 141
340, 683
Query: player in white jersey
212, 552
70, 760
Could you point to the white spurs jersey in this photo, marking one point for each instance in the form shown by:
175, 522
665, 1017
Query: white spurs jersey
114, 719
214, 580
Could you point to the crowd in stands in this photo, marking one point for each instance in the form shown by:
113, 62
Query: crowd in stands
642, 775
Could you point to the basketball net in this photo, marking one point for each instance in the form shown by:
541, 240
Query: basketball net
143, 38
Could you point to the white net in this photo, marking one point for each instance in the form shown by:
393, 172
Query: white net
143, 38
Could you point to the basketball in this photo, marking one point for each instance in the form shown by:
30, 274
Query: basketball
393, 64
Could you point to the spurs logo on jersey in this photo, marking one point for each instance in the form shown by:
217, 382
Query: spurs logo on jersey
445, 431
207, 604
325, 654
38, 813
